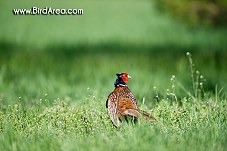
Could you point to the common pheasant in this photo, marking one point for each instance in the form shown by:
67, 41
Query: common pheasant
122, 103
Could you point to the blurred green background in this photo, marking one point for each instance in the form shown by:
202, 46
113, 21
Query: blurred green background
72, 56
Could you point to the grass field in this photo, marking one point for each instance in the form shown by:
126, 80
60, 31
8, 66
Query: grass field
57, 71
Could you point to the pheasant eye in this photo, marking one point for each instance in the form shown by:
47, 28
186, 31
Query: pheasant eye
124, 74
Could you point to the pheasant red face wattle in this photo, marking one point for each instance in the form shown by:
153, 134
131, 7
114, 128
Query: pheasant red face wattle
125, 77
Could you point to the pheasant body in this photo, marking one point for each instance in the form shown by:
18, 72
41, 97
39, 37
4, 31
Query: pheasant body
121, 102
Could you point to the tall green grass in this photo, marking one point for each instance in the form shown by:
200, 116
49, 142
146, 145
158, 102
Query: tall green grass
57, 103
190, 126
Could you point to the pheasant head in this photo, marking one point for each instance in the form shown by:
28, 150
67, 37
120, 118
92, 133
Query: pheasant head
122, 79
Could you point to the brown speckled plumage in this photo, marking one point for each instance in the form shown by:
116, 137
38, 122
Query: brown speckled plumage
121, 102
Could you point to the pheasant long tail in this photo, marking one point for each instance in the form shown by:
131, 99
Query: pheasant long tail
147, 115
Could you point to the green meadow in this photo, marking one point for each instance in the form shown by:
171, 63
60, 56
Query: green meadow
56, 72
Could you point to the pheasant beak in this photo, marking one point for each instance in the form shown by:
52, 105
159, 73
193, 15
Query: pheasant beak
129, 77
